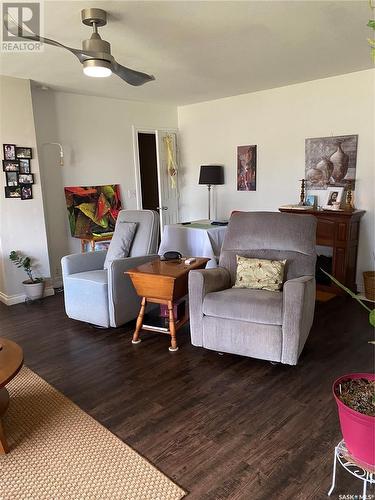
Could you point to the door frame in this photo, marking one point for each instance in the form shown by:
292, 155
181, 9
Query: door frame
137, 167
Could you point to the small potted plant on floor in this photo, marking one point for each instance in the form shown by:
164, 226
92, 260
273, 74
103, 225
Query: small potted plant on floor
34, 286
355, 397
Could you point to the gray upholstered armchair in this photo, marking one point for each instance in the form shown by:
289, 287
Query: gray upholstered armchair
106, 297
258, 323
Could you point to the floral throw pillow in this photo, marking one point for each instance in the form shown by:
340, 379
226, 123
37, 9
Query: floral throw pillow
259, 274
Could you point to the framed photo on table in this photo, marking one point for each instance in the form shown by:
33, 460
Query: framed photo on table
333, 197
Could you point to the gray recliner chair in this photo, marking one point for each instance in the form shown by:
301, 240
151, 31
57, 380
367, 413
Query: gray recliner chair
106, 297
258, 323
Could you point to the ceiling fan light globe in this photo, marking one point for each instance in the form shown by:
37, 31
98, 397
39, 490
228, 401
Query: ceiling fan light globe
97, 68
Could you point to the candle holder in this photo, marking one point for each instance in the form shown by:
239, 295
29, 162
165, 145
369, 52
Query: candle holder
302, 195
349, 203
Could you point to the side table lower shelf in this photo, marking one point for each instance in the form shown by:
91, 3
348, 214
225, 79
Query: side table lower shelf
144, 322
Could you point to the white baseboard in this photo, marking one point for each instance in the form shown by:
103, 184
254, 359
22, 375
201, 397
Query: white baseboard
10, 300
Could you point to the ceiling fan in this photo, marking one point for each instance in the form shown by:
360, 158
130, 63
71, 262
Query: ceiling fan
95, 55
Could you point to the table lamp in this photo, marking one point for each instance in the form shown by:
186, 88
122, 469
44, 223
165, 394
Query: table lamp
211, 175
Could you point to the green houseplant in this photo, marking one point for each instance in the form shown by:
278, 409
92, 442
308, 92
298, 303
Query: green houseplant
33, 286
354, 394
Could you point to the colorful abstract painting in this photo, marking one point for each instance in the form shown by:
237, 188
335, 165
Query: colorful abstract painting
92, 209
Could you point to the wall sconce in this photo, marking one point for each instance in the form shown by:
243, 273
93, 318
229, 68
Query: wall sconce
61, 151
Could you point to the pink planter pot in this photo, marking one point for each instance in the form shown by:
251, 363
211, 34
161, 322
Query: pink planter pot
358, 430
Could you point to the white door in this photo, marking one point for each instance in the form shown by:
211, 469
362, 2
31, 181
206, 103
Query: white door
168, 190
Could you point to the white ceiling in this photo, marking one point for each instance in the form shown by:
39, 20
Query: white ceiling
202, 50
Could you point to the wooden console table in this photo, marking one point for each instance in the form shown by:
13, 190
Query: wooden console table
340, 231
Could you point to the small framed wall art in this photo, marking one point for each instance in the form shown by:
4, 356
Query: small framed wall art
246, 168
17, 170
11, 178
25, 178
11, 166
9, 151
12, 192
22, 152
26, 192
24, 166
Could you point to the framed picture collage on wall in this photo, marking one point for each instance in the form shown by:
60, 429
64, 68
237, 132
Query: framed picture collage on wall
17, 170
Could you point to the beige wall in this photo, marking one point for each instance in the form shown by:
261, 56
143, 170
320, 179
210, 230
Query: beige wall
97, 137
22, 222
278, 121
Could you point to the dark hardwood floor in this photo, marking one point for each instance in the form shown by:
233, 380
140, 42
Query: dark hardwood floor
222, 427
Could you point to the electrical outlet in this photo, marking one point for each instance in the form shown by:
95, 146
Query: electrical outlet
132, 193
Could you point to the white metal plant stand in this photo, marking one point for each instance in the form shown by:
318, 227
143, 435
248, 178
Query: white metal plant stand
358, 470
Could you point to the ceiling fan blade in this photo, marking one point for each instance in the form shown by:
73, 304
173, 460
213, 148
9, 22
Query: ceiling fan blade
131, 76
18, 31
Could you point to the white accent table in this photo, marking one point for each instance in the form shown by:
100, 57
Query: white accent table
198, 239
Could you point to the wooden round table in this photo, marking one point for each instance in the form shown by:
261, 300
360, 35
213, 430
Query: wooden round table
11, 361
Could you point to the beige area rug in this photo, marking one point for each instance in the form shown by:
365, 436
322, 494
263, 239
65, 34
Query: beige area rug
59, 452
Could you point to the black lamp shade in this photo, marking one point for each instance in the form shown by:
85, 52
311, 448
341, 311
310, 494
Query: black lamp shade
211, 174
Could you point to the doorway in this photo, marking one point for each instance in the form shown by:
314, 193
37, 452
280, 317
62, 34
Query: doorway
155, 189
148, 170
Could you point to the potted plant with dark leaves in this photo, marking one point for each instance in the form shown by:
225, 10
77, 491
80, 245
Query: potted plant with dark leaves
34, 286
355, 397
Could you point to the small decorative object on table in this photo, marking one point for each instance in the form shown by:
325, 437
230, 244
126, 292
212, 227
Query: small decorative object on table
302, 193
333, 198
312, 201
349, 203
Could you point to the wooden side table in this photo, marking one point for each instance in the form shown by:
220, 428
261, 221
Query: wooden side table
162, 282
92, 241
11, 361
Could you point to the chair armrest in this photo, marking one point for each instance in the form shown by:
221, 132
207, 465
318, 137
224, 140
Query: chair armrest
298, 316
202, 282
81, 262
122, 297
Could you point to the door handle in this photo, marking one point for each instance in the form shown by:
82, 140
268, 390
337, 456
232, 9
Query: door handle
161, 208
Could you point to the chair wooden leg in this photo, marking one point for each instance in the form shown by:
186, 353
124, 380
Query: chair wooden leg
138, 326
172, 328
